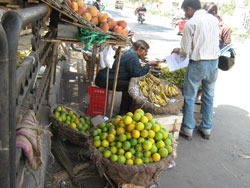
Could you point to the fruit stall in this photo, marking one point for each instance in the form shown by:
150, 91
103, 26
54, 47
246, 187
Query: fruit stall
127, 151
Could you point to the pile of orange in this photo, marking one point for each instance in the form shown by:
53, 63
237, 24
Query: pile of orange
133, 139
72, 119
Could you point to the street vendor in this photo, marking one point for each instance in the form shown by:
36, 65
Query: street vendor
129, 67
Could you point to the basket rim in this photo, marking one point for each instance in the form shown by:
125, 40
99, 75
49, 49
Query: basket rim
62, 124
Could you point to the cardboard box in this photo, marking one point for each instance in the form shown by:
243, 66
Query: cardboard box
172, 122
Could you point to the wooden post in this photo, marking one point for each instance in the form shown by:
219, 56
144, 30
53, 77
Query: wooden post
93, 60
115, 80
53, 66
107, 89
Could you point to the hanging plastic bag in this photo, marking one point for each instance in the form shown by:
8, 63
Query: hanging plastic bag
107, 57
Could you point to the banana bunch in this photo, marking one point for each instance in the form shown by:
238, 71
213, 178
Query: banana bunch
171, 90
20, 57
151, 88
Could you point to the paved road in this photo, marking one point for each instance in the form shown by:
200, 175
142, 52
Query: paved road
219, 162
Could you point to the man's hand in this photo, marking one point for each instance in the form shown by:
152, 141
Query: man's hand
176, 50
152, 63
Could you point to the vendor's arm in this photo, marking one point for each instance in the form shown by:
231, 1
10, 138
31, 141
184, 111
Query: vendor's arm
135, 69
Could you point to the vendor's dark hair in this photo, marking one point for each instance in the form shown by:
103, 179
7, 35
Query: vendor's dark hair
194, 4
140, 44
210, 7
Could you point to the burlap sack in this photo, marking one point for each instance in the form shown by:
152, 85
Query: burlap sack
141, 175
174, 104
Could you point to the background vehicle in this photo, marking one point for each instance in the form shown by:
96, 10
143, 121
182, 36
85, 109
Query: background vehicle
119, 4
181, 24
141, 16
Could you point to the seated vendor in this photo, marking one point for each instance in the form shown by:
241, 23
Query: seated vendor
129, 67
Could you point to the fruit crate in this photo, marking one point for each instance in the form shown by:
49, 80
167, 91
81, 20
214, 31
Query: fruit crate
97, 100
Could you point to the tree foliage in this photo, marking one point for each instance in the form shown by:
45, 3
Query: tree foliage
229, 8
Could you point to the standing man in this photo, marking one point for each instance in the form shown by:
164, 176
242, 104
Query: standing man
200, 41
225, 32
129, 67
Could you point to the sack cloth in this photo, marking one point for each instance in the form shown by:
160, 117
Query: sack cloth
30, 139
173, 106
141, 175
226, 63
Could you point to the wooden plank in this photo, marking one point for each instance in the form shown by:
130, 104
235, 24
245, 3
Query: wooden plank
168, 119
93, 60
115, 81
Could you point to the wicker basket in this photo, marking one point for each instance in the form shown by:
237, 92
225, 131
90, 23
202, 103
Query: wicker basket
141, 175
139, 101
65, 131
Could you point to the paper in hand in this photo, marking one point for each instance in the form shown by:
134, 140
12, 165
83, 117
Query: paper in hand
175, 62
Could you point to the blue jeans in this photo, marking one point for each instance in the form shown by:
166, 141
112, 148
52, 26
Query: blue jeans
203, 72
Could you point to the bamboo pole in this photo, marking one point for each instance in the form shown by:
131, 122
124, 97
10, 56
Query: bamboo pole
53, 65
93, 60
115, 80
107, 90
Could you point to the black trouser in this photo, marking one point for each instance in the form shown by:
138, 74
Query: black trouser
122, 85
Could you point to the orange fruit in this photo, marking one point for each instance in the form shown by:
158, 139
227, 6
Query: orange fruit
63, 118
130, 127
120, 151
158, 136
133, 141
139, 126
121, 123
163, 152
107, 154
101, 149
155, 128
94, 133
147, 153
170, 136
165, 135
148, 126
129, 162
169, 148
151, 134
105, 143
138, 147
149, 116
128, 155
139, 111
160, 144
73, 125
113, 149
128, 120
135, 134
116, 121
103, 136
132, 150
126, 145
154, 149
76, 122
146, 160
113, 158
122, 138
136, 117
140, 140
168, 142
139, 154
156, 157
151, 140
118, 145
147, 145
121, 159
144, 119
112, 131
144, 133
129, 114
111, 137
102, 125
128, 135
138, 161
97, 143
120, 130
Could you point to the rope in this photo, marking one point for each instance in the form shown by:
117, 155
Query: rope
90, 37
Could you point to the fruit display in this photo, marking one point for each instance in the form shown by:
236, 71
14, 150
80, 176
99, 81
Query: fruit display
133, 139
99, 19
20, 57
153, 89
175, 77
72, 119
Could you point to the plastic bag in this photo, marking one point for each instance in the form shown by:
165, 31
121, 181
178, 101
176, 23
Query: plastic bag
107, 57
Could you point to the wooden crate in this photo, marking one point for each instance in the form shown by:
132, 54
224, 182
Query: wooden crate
131, 186
172, 122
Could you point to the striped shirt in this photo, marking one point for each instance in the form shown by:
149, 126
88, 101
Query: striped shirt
200, 40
